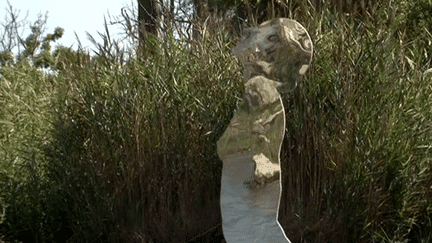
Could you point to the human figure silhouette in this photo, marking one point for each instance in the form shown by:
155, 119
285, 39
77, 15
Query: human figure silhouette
274, 55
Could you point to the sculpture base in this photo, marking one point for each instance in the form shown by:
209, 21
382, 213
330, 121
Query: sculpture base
248, 215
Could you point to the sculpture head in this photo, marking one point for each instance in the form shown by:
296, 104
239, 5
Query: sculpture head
279, 49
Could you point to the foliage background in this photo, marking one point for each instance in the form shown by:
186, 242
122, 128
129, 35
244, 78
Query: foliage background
120, 147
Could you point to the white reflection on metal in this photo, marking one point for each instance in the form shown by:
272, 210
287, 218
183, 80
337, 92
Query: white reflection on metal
264, 167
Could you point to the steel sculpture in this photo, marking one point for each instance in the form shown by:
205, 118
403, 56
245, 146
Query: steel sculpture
274, 56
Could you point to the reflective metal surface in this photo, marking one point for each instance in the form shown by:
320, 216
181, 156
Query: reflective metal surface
274, 55
248, 213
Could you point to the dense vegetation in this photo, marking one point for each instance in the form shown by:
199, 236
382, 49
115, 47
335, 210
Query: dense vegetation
117, 147
357, 156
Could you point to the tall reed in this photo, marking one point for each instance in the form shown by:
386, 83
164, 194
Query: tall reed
119, 148
356, 156
135, 151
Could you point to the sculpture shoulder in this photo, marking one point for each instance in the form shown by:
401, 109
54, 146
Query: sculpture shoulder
261, 91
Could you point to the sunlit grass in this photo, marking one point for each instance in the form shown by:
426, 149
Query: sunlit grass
132, 148
357, 152
120, 148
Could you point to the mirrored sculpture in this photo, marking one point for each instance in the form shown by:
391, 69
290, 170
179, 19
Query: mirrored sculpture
274, 55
